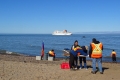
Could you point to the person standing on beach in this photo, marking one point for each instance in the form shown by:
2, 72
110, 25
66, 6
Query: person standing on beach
85, 49
95, 53
113, 55
75, 58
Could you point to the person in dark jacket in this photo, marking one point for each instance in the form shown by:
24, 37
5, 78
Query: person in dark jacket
75, 64
85, 49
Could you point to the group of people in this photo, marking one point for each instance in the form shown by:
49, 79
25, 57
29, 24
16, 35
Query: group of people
76, 51
81, 52
95, 52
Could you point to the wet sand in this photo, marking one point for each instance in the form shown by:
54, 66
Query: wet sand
14, 67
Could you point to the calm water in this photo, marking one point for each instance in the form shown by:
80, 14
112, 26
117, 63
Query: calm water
30, 44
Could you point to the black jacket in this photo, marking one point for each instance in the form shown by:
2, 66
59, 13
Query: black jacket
84, 49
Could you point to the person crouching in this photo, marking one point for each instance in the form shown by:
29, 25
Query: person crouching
52, 54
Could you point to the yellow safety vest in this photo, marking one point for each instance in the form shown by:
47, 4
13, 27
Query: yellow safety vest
96, 50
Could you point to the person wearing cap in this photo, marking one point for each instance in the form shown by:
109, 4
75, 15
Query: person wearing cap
52, 54
113, 55
95, 52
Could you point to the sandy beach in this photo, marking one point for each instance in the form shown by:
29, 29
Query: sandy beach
28, 68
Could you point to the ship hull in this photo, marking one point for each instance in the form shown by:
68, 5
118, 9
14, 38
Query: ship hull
62, 34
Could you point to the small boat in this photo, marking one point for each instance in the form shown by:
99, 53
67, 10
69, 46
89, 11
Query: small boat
64, 32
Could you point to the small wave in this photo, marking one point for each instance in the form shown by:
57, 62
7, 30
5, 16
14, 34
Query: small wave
60, 44
34, 46
109, 49
116, 36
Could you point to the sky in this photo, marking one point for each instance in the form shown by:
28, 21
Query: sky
46, 16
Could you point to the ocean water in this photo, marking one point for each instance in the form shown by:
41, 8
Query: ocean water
30, 44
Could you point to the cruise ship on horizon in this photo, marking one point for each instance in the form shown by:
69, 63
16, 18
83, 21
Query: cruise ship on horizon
64, 32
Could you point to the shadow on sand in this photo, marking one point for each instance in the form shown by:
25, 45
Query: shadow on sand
97, 69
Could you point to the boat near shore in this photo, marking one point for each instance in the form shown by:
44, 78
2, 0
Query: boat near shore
64, 32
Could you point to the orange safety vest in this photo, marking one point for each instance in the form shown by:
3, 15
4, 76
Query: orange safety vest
77, 48
96, 50
51, 53
113, 54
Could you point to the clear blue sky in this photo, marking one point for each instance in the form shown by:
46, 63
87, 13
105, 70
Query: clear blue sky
45, 16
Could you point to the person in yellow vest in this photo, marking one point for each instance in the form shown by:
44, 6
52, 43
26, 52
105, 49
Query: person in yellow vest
52, 54
95, 53
113, 55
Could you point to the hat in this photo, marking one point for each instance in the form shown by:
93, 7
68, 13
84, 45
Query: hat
93, 40
76, 40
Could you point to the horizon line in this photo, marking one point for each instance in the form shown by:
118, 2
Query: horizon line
72, 32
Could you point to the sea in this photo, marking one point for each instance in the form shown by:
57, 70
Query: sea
31, 44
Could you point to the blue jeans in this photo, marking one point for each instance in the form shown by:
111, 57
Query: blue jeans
99, 61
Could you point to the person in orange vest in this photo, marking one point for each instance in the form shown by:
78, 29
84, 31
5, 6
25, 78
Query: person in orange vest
95, 53
113, 55
52, 54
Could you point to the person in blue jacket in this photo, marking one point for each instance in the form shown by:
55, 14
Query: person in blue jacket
73, 54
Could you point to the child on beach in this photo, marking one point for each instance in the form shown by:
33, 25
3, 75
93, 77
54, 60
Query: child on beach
113, 55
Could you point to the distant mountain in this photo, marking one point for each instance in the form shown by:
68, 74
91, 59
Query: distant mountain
104, 32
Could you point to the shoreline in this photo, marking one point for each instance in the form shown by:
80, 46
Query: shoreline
7, 57
5, 52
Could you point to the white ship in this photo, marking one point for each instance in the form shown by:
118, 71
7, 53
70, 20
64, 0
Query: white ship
64, 32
